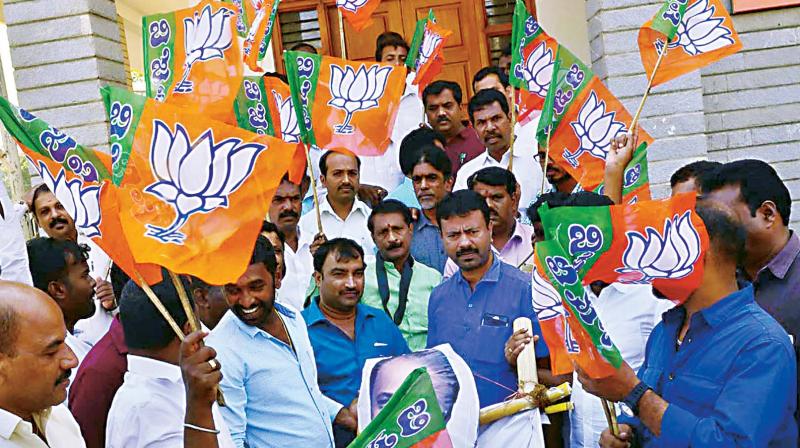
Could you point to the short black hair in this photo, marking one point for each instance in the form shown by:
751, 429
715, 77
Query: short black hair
389, 39
144, 326
300, 45
48, 259
696, 170
263, 252
494, 176
386, 207
41, 189
9, 330
557, 199
489, 71
323, 161
726, 234
757, 181
413, 142
277, 75
460, 203
437, 158
485, 98
437, 87
343, 248
270, 227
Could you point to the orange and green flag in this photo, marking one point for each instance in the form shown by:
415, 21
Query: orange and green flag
426, 57
260, 32
251, 107
193, 59
81, 179
696, 33
583, 117
345, 105
533, 53
358, 13
284, 121
650, 242
195, 190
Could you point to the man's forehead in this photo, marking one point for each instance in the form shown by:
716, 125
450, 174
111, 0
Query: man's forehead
287, 188
729, 194
45, 199
482, 188
389, 219
472, 219
444, 96
423, 169
341, 161
336, 260
489, 82
489, 110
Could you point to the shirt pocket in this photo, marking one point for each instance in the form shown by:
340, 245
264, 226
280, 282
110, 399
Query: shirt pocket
492, 337
694, 393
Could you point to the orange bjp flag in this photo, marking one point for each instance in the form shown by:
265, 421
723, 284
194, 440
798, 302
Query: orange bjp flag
358, 13
195, 191
426, 57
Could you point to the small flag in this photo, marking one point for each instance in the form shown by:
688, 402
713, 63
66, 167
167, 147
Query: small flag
426, 57
284, 122
251, 107
411, 418
260, 32
358, 13
532, 56
345, 105
583, 117
192, 58
696, 32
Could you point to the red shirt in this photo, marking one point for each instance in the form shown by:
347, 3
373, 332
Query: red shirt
99, 376
464, 147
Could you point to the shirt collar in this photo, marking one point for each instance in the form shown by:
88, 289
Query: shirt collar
153, 368
118, 336
721, 311
492, 275
253, 331
519, 233
314, 314
9, 422
423, 221
358, 206
781, 263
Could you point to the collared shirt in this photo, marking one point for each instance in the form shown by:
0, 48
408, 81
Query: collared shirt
98, 378
341, 359
629, 313
149, 409
271, 392
516, 250
81, 349
90, 330
56, 423
463, 147
731, 383
478, 323
353, 227
414, 326
13, 254
299, 267
426, 245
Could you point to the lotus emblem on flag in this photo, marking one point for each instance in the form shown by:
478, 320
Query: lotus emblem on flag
669, 255
290, 132
351, 5
82, 203
699, 31
538, 70
546, 300
354, 91
595, 128
207, 36
429, 43
195, 177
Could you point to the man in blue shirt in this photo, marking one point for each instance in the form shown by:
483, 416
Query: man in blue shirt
474, 310
345, 333
269, 375
718, 370
431, 175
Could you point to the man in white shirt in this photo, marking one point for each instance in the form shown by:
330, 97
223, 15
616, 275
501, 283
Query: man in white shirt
148, 409
490, 116
284, 211
35, 364
13, 256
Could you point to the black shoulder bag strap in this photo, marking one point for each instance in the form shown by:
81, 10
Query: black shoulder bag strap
383, 287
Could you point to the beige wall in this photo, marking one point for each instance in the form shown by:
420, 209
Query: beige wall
565, 20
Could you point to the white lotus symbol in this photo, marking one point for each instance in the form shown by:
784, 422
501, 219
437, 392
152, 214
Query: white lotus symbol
207, 36
670, 255
353, 91
351, 5
82, 203
595, 128
429, 43
699, 31
290, 132
195, 177
546, 300
538, 70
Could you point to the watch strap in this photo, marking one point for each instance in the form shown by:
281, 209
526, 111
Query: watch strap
632, 400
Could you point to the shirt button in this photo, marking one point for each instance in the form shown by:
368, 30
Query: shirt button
469, 306
671, 376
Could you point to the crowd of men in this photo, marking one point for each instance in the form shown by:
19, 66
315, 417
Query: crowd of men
430, 243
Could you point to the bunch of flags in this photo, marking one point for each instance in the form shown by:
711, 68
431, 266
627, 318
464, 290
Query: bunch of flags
426, 57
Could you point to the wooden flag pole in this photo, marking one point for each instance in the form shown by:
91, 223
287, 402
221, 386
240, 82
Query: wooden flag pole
187, 305
341, 34
159, 306
611, 416
513, 107
313, 186
546, 157
661, 54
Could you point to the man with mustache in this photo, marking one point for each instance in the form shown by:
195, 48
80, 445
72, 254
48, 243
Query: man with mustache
442, 101
35, 366
58, 224
431, 175
269, 375
59, 268
490, 116
474, 310
396, 282
558, 178
343, 332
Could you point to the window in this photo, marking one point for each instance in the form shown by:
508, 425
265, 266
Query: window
499, 20
300, 26
757, 5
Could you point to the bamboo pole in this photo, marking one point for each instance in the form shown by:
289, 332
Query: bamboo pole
661, 54
546, 157
160, 306
341, 33
513, 107
611, 415
187, 305
527, 375
541, 397
313, 186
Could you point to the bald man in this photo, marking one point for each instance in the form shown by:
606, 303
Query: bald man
35, 366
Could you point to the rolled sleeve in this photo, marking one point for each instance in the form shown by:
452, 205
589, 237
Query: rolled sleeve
333, 407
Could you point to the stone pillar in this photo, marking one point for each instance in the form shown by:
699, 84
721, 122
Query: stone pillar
63, 51
673, 115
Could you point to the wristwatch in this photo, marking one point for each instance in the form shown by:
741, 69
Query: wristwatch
632, 400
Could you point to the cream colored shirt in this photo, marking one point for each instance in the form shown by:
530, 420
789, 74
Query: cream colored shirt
58, 425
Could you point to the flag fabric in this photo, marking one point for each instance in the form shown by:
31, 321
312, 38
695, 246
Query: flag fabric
246, 11
195, 190
696, 32
251, 107
411, 418
192, 58
259, 34
649, 242
426, 57
345, 105
570, 325
284, 122
532, 56
358, 13
583, 117
81, 179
